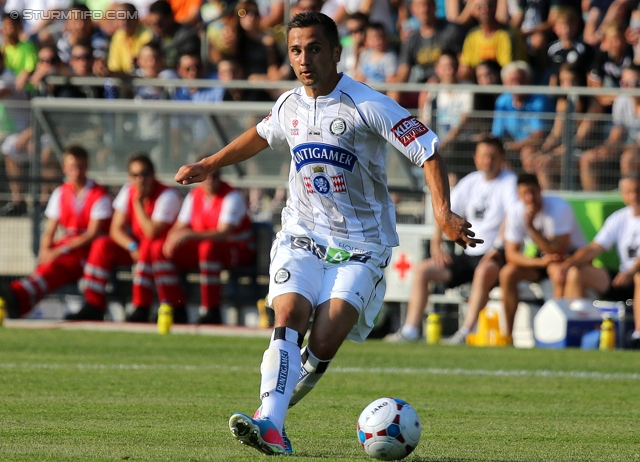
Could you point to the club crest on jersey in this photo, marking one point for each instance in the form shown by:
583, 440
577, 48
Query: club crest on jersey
316, 153
338, 126
323, 184
295, 131
281, 276
408, 129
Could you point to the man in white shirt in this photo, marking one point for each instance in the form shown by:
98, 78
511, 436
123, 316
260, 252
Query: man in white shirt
482, 197
338, 226
548, 222
622, 229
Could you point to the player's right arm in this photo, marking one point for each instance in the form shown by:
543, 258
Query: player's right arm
242, 148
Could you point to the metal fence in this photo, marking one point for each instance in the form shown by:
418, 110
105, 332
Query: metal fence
174, 133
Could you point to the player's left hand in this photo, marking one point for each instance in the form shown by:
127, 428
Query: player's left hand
458, 230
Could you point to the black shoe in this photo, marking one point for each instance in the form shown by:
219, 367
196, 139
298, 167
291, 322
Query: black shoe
11, 302
180, 315
12, 209
88, 312
140, 314
211, 316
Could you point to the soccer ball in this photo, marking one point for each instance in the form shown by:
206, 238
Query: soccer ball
389, 429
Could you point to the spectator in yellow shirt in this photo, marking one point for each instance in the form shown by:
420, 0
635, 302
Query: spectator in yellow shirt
128, 40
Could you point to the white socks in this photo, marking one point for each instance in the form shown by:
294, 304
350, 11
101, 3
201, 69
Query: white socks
280, 368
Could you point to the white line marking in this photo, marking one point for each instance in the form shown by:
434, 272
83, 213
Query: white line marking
340, 370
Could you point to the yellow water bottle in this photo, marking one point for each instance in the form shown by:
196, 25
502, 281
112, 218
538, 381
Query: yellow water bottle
434, 329
2, 313
607, 335
165, 318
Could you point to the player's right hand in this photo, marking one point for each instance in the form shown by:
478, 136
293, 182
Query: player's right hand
191, 173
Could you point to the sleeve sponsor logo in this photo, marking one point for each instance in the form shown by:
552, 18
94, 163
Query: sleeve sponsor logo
409, 129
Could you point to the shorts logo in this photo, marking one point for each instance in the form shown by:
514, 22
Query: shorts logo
324, 184
294, 128
409, 129
338, 126
281, 276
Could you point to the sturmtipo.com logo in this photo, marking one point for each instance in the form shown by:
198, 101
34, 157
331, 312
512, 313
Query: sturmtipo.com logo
58, 15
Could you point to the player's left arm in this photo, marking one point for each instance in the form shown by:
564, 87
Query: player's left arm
242, 148
454, 227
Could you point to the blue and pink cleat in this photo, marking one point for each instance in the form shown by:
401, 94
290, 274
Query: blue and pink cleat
260, 434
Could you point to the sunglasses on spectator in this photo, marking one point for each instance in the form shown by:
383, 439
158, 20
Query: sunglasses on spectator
85, 57
360, 30
47, 60
141, 174
630, 84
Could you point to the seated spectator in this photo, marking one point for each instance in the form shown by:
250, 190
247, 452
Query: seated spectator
487, 73
614, 55
461, 12
43, 15
79, 28
353, 44
599, 14
49, 64
482, 197
77, 213
127, 41
620, 149
189, 68
256, 50
490, 40
174, 38
448, 111
213, 232
569, 48
622, 230
521, 118
20, 56
144, 211
151, 66
377, 63
546, 163
82, 64
548, 223
420, 52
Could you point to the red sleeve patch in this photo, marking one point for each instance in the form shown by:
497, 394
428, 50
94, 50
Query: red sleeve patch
409, 129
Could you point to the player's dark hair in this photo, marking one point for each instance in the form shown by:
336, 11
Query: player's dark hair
492, 141
312, 18
77, 151
144, 159
528, 179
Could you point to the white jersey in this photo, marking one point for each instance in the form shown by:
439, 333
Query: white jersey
621, 228
484, 204
556, 218
338, 143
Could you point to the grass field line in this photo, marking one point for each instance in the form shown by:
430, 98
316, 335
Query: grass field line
340, 370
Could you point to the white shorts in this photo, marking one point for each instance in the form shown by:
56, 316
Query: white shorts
321, 268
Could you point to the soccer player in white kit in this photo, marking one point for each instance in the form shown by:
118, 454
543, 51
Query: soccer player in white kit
338, 226
622, 229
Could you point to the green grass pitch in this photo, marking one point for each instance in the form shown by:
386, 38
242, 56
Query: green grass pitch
73, 395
